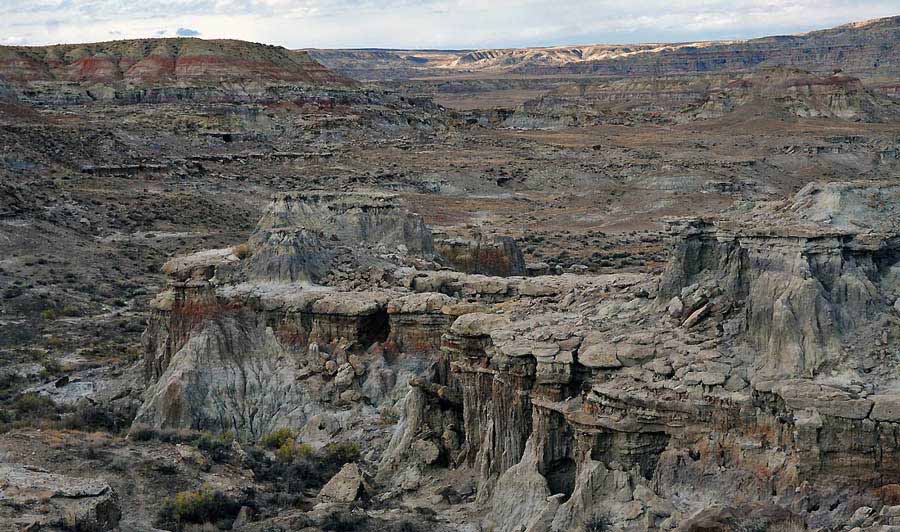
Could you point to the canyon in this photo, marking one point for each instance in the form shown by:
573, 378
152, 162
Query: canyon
582, 288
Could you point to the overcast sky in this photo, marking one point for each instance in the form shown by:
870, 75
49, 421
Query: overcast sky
425, 23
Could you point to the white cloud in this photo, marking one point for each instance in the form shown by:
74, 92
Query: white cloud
427, 23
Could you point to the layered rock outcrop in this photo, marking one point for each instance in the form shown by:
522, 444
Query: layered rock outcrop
249, 340
860, 48
161, 70
498, 255
33, 499
757, 372
753, 381
783, 92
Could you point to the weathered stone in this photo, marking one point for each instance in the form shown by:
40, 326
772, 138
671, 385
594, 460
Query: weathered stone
696, 317
498, 256
886, 408
30, 496
346, 486
675, 308
478, 324
600, 356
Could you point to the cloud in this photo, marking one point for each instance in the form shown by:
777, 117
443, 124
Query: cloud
430, 23
186, 32
13, 41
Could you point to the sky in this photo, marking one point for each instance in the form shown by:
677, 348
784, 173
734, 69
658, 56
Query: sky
425, 24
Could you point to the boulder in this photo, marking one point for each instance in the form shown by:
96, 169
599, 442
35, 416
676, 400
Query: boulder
886, 408
33, 497
347, 486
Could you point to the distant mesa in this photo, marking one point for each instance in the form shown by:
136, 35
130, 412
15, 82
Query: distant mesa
163, 61
862, 49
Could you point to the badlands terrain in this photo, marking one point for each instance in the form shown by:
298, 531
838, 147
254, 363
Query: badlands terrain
591, 288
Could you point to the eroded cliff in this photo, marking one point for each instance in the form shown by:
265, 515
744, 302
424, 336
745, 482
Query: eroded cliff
754, 380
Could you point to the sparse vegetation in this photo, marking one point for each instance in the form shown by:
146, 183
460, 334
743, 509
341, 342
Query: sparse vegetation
292, 451
275, 440
32, 406
598, 523
297, 466
344, 521
216, 446
242, 251
198, 507
90, 417
341, 453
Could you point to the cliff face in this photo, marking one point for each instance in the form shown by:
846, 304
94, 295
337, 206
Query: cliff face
249, 340
859, 48
737, 380
755, 380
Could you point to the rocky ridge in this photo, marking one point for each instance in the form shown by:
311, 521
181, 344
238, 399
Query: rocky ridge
862, 48
154, 70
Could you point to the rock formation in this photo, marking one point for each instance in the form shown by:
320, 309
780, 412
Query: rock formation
497, 255
859, 48
160, 70
33, 499
248, 340
785, 92
740, 374
754, 380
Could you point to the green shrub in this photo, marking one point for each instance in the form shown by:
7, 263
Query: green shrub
344, 521
48, 314
51, 366
599, 523
140, 432
70, 310
218, 447
89, 417
291, 477
292, 451
33, 406
277, 439
197, 507
341, 453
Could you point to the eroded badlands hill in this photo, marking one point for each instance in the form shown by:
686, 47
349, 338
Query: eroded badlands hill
161, 60
159, 70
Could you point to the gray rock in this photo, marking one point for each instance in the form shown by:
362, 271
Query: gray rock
34, 496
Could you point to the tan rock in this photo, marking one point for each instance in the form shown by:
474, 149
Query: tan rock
347, 486
601, 356
426, 451
696, 317
478, 324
